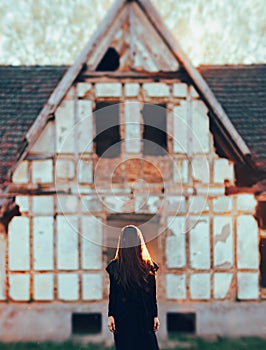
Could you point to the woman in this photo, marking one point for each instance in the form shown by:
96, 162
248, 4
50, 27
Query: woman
132, 310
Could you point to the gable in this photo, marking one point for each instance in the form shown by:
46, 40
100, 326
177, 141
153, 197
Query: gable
125, 21
137, 43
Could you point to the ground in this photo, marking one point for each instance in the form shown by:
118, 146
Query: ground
180, 343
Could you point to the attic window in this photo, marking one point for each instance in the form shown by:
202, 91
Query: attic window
154, 133
109, 62
107, 140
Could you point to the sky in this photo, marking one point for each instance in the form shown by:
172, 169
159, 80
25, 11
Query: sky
53, 32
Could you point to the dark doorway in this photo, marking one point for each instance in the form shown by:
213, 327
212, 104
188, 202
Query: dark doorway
86, 323
178, 322
149, 225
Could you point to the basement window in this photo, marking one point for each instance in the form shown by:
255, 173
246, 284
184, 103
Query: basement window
154, 133
109, 62
107, 140
86, 323
263, 262
179, 322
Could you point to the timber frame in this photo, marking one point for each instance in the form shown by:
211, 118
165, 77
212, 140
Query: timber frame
238, 148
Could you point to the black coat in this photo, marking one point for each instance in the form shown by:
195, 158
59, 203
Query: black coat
133, 311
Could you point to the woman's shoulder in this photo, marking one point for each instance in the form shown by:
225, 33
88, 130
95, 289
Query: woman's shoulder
112, 266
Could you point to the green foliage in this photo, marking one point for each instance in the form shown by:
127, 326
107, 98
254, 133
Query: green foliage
182, 342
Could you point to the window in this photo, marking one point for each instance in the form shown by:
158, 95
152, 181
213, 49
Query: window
154, 134
109, 62
263, 262
178, 322
86, 323
107, 138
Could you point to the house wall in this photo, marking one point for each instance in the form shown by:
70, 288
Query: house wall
54, 262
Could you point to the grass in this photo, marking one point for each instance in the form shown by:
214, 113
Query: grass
181, 343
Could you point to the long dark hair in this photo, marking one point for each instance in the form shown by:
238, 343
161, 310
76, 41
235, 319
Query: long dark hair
134, 260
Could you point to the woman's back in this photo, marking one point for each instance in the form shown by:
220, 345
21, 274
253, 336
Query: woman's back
132, 297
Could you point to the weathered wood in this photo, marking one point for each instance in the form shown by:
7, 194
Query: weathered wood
155, 48
105, 40
258, 189
136, 74
199, 83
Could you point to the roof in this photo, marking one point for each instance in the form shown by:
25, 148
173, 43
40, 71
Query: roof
241, 90
24, 90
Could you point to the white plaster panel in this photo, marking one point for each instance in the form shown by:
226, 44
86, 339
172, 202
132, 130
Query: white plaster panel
83, 89
43, 286
222, 204
193, 92
21, 174
67, 242
200, 128
85, 171
45, 142
180, 126
180, 90
176, 242
223, 170
180, 171
2, 286
246, 202
176, 286
65, 136
222, 283
19, 287
84, 126
247, 242
132, 126
91, 204
200, 286
198, 204
248, 285
68, 286
175, 204
23, 203
108, 89
144, 204
43, 204
131, 89
67, 204
91, 243
64, 169
43, 243
116, 203
223, 242
201, 169
19, 244
92, 288
42, 171
156, 89
200, 242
